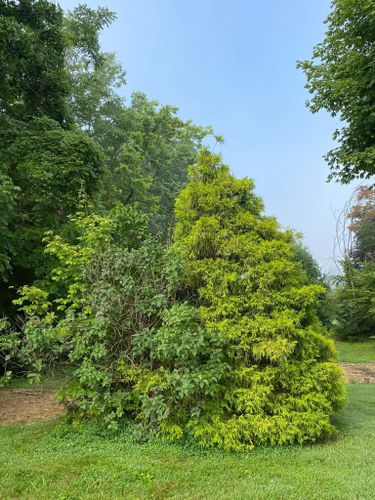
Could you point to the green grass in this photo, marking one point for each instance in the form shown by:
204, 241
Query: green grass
356, 352
43, 462
54, 378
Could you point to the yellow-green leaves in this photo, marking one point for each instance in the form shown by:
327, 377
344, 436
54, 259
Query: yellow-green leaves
282, 383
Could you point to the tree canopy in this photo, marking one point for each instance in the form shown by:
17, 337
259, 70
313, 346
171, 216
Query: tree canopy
341, 79
78, 135
33, 76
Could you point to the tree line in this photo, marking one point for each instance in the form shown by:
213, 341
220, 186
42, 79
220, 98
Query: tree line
340, 77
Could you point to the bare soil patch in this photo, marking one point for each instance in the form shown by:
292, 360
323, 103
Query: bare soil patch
362, 373
28, 405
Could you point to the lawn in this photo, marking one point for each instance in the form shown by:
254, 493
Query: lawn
43, 461
356, 352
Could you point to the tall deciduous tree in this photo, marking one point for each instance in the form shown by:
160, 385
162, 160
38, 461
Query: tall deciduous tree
33, 77
43, 168
44, 161
362, 224
341, 78
148, 147
354, 298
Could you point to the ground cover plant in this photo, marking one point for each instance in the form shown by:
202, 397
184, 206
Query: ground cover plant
40, 461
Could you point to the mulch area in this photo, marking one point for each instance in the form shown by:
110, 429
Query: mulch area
31, 405
28, 405
362, 373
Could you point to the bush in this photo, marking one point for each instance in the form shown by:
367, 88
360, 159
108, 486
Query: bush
138, 348
354, 304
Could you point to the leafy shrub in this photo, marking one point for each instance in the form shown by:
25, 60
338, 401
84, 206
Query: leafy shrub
139, 349
354, 304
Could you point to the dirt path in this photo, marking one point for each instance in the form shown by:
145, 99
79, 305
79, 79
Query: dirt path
362, 373
28, 405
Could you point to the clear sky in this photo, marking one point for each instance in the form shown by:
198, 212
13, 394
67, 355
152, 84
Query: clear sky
232, 64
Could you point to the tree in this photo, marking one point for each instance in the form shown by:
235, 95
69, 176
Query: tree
43, 168
314, 276
341, 77
94, 75
44, 161
362, 224
148, 147
82, 29
307, 261
354, 303
33, 77
354, 297
283, 382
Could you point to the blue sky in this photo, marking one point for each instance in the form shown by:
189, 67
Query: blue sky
232, 64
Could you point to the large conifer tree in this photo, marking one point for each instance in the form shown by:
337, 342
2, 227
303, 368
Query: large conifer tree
283, 383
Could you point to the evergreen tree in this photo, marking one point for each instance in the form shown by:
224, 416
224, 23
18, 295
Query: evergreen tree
283, 383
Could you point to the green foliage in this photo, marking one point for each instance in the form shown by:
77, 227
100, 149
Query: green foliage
94, 100
216, 338
82, 28
354, 296
148, 147
9, 348
43, 168
137, 350
42, 339
314, 276
33, 78
44, 162
307, 261
94, 75
361, 216
355, 304
234, 358
8, 195
190, 367
283, 382
341, 78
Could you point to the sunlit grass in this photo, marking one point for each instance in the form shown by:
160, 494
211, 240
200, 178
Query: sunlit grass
43, 462
356, 352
